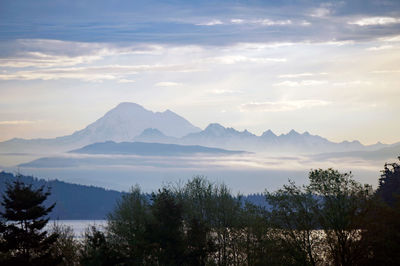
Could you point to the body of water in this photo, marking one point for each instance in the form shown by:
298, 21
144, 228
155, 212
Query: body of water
79, 226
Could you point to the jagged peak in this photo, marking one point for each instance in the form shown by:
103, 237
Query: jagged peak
168, 112
293, 133
214, 126
268, 133
247, 133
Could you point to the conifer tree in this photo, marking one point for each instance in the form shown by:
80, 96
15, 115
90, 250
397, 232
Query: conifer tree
389, 183
24, 240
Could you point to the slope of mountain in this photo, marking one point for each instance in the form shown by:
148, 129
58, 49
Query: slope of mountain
122, 123
72, 201
128, 120
148, 149
154, 135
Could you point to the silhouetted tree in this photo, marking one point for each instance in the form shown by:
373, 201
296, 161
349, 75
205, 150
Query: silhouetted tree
343, 202
66, 247
97, 250
389, 183
381, 229
24, 240
197, 200
294, 219
165, 230
127, 226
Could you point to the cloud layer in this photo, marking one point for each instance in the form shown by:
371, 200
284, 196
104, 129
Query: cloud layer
254, 65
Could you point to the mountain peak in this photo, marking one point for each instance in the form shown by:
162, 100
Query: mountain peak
168, 112
128, 105
214, 126
268, 133
127, 120
293, 133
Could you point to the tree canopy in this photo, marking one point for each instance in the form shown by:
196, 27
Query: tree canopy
24, 240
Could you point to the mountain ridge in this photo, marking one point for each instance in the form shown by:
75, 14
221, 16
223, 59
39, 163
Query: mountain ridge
122, 123
132, 122
149, 149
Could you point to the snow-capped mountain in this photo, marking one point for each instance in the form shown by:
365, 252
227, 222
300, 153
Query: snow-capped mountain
122, 123
132, 122
128, 120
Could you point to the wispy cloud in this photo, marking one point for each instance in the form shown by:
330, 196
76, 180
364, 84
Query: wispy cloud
371, 21
108, 72
39, 59
379, 48
238, 21
16, 122
395, 38
269, 22
300, 75
386, 71
210, 23
290, 83
167, 84
126, 81
282, 106
55, 53
261, 22
233, 59
305, 23
352, 83
320, 12
259, 46
224, 91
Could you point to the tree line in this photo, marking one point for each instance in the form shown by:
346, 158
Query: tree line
333, 220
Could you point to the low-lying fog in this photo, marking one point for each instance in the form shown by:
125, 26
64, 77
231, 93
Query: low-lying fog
245, 173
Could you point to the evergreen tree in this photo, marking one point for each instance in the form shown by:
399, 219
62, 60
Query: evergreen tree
24, 242
389, 183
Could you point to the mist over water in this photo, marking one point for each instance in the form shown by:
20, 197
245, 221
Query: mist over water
250, 173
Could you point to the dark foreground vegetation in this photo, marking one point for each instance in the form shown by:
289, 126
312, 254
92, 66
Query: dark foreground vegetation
333, 220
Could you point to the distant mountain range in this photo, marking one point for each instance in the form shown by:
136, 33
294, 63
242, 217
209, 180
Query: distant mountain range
129, 122
122, 123
215, 135
149, 149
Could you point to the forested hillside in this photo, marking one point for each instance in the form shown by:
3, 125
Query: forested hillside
72, 201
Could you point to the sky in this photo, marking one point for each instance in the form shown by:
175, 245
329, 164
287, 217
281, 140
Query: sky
331, 68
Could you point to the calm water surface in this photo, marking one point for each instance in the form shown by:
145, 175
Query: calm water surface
79, 226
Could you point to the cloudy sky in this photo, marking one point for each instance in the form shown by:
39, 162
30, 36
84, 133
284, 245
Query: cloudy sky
330, 68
